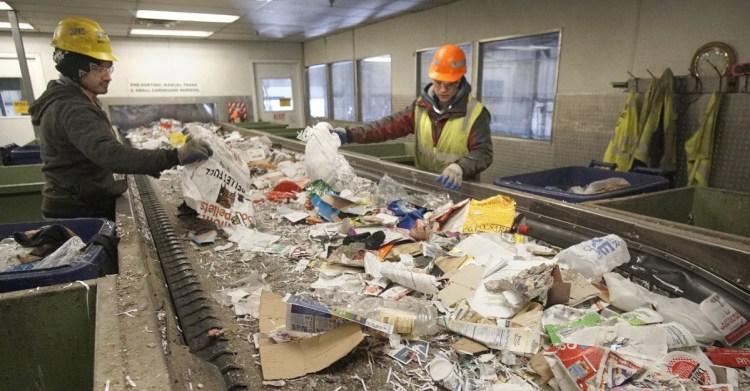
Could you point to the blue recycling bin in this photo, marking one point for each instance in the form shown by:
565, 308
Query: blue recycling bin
13, 155
555, 183
91, 263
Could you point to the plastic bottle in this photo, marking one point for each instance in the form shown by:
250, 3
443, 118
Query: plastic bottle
408, 316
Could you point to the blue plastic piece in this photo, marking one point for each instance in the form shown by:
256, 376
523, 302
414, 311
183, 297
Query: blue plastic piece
554, 183
90, 265
407, 213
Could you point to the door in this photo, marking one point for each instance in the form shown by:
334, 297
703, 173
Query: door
277, 89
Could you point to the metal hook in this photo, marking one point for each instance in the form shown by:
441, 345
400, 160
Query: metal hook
635, 79
721, 75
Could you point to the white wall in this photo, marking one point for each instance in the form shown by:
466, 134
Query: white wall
601, 39
221, 68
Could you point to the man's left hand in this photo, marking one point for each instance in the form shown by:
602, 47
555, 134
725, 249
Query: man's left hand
451, 177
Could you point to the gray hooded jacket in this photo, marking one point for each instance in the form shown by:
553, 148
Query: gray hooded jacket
80, 153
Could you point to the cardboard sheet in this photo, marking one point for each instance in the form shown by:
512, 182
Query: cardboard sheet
295, 359
272, 312
462, 285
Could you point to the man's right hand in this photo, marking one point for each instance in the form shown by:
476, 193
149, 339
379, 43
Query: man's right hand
194, 150
343, 136
451, 177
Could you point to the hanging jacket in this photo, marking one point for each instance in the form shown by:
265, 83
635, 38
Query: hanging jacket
699, 147
658, 113
80, 153
669, 125
622, 144
478, 142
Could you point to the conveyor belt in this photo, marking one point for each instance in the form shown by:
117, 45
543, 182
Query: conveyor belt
191, 304
699, 263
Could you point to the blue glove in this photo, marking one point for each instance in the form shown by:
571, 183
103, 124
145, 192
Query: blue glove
194, 150
451, 177
343, 136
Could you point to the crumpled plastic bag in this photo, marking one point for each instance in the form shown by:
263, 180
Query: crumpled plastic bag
67, 254
595, 257
322, 160
602, 186
628, 296
389, 190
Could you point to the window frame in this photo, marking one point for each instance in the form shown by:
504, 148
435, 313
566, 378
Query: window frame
360, 97
265, 98
7, 108
328, 94
480, 76
354, 91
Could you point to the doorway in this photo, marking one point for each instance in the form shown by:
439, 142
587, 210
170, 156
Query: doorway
277, 89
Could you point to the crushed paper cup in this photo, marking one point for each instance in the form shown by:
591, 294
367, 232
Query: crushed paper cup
444, 373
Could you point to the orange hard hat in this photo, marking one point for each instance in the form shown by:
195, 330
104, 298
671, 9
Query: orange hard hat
449, 63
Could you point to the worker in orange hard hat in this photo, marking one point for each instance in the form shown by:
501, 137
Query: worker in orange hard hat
80, 151
451, 127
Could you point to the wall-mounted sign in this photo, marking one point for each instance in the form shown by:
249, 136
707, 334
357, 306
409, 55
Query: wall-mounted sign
163, 88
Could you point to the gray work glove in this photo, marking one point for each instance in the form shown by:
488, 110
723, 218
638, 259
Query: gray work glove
194, 150
343, 136
451, 177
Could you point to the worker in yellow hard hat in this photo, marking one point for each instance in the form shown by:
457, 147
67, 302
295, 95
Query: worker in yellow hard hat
80, 150
451, 127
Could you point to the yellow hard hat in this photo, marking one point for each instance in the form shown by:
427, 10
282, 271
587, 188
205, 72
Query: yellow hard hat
449, 64
84, 36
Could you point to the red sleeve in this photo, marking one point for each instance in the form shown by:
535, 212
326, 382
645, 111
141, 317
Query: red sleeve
394, 126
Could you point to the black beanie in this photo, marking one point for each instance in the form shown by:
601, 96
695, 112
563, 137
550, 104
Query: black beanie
73, 65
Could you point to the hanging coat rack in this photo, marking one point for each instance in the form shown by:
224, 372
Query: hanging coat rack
684, 84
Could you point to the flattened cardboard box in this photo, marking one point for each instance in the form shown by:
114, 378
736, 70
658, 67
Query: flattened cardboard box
295, 359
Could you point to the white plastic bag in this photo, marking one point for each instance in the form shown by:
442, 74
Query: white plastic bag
218, 188
322, 160
595, 257
629, 296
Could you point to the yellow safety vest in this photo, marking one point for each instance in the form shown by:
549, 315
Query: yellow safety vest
699, 146
452, 144
620, 148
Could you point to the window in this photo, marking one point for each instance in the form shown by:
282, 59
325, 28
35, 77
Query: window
342, 84
375, 87
277, 94
517, 84
424, 59
10, 91
317, 91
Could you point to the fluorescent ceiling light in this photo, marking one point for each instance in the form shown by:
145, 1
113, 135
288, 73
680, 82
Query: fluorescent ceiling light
378, 59
171, 33
186, 16
4, 6
22, 26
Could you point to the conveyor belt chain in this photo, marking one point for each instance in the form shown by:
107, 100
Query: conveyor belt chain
191, 303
